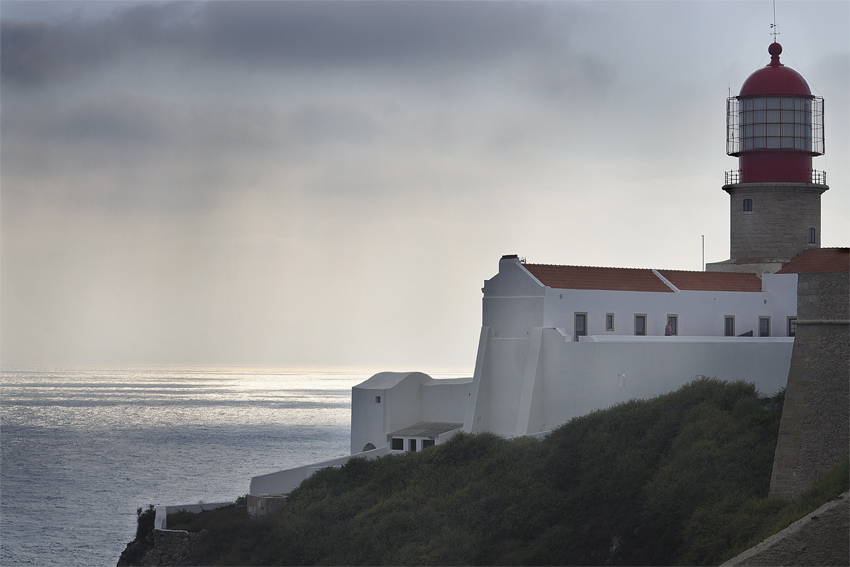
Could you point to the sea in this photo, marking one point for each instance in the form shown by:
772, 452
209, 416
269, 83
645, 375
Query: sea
82, 448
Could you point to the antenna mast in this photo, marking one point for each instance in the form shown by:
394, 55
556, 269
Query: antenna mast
773, 26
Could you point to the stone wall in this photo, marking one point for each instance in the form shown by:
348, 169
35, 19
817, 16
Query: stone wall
265, 504
821, 538
814, 434
777, 228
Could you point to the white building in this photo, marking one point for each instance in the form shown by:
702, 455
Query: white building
561, 341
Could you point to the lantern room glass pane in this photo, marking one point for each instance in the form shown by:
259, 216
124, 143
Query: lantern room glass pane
775, 123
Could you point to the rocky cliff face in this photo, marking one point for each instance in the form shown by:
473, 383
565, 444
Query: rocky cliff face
159, 547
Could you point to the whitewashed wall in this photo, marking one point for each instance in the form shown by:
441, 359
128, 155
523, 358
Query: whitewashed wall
284, 482
700, 313
559, 379
406, 398
514, 302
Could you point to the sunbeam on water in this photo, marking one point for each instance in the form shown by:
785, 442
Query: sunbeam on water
83, 448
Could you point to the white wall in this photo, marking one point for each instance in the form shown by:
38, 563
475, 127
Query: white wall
367, 418
700, 313
445, 399
561, 379
284, 482
406, 398
515, 301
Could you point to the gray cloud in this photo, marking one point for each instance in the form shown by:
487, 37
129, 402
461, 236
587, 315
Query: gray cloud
276, 35
321, 182
128, 151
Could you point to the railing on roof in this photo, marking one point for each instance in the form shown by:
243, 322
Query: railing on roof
774, 123
733, 177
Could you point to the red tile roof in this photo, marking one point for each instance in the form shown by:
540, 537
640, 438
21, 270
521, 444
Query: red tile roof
819, 260
641, 279
712, 281
589, 277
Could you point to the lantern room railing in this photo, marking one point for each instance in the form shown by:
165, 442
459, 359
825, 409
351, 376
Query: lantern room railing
733, 177
774, 123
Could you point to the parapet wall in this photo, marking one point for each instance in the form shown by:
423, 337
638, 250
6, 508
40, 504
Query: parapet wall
525, 386
814, 434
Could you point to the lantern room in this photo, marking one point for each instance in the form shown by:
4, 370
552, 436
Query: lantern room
775, 127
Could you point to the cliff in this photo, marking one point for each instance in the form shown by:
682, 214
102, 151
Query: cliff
160, 547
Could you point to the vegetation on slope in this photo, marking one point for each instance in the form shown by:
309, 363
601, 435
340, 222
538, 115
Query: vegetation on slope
680, 479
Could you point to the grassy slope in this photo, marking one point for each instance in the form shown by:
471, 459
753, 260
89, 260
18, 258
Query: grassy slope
677, 479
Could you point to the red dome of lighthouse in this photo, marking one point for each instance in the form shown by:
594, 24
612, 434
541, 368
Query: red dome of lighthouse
775, 126
775, 79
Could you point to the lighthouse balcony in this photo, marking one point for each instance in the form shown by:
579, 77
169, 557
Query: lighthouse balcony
733, 177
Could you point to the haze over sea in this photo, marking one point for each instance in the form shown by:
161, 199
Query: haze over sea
83, 448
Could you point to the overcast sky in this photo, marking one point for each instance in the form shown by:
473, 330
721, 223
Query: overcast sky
285, 183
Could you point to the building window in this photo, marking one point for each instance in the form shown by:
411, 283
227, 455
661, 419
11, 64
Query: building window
397, 444
748, 205
377, 399
764, 326
729, 326
812, 236
427, 443
412, 445
792, 326
581, 325
609, 321
672, 327
640, 325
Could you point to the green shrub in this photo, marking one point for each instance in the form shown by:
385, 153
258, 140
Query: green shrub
677, 479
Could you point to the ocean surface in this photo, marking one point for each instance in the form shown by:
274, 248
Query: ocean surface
82, 449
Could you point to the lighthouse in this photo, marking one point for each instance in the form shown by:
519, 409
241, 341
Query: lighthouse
774, 127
